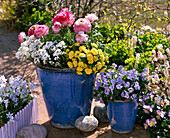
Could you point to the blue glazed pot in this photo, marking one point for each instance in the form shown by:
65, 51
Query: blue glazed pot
122, 116
67, 95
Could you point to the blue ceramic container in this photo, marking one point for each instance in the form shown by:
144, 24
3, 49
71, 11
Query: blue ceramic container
122, 116
66, 94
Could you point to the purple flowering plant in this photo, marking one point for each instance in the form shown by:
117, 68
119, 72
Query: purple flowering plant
154, 114
15, 94
119, 84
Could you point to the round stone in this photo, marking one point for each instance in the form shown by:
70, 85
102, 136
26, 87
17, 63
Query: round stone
86, 123
32, 131
100, 113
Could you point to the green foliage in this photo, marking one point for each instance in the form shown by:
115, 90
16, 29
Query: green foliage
145, 44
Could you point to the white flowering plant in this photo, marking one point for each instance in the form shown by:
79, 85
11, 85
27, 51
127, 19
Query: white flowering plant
47, 45
15, 94
118, 84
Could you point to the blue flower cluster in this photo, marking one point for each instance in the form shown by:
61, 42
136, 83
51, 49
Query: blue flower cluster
119, 84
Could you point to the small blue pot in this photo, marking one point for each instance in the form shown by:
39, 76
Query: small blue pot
67, 95
122, 116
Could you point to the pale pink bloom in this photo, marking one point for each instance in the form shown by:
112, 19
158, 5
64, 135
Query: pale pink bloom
31, 30
56, 27
160, 56
166, 14
155, 59
64, 10
91, 17
21, 37
83, 25
134, 39
81, 37
160, 46
41, 30
64, 17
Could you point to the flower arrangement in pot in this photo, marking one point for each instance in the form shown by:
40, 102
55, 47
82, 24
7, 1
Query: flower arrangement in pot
66, 58
120, 91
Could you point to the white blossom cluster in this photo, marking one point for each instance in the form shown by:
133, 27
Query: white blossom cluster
47, 53
13, 92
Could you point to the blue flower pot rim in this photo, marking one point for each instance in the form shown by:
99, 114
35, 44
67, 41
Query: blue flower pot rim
55, 69
120, 101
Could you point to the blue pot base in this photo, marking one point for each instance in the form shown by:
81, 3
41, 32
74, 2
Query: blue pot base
62, 126
121, 132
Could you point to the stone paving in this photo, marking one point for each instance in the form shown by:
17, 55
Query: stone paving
9, 65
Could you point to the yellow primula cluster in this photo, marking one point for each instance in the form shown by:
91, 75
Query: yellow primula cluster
86, 59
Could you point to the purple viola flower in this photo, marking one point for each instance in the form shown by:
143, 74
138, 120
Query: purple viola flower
122, 94
160, 114
136, 83
123, 72
120, 68
133, 96
119, 80
169, 114
127, 84
107, 91
113, 81
112, 87
100, 99
130, 90
119, 86
146, 70
114, 65
145, 97
126, 95
145, 126
137, 87
143, 75
152, 122
147, 108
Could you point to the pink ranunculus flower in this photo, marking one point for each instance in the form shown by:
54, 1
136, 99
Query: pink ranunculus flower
64, 10
64, 17
83, 25
81, 37
91, 17
21, 37
41, 30
56, 27
31, 30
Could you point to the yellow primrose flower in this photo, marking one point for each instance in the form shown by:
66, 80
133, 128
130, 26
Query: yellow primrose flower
77, 53
73, 59
82, 48
99, 65
103, 63
82, 55
85, 66
94, 45
80, 64
94, 69
89, 57
102, 57
86, 51
79, 73
70, 64
79, 69
90, 61
94, 51
77, 44
106, 58
71, 54
88, 71
67, 50
70, 46
100, 51
103, 70
75, 63
95, 58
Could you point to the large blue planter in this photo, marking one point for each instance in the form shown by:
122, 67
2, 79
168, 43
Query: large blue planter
66, 94
122, 116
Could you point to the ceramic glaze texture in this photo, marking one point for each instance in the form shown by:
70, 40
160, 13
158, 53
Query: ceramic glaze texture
122, 116
67, 95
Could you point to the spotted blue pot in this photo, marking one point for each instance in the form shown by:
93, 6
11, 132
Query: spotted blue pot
122, 116
67, 95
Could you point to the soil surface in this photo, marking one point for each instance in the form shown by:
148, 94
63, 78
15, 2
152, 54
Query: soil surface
9, 66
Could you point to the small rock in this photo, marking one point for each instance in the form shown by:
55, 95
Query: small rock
100, 113
86, 123
32, 131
